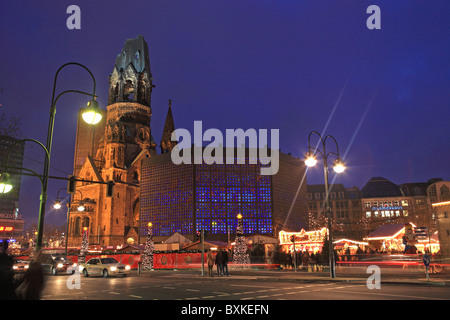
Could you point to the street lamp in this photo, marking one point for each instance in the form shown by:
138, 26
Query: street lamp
57, 205
92, 117
5, 183
338, 167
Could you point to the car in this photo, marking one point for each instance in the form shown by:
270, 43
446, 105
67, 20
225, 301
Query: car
103, 267
55, 264
21, 266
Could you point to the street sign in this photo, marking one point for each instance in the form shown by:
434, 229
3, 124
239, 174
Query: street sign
421, 231
426, 260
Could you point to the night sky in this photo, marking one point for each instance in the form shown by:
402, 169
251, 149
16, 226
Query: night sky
295, 66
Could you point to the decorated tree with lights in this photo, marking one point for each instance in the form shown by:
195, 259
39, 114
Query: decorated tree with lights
147, 261
84, 246
240, 255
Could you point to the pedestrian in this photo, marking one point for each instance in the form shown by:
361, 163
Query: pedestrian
219, 262
210, 261
33, 281
225, 262
312, 260
7, 286
305, 260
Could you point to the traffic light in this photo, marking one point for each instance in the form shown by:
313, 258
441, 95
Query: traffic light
292, 238
198, 235
110, 188
71, 185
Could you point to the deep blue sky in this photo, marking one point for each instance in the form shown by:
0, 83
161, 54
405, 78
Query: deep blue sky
295, 66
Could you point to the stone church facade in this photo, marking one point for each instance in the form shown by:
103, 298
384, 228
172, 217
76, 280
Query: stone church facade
113, 150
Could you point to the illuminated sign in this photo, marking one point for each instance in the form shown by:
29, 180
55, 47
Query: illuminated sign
386, 208
8, 229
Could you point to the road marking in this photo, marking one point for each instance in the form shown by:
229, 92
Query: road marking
207, 297
168, 288
193, 290
243, 285
139, 297
113, 292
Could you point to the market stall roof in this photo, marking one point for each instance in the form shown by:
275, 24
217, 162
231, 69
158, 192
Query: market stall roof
387, 231
208, 245
350, 242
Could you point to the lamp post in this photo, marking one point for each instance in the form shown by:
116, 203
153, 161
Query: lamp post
94, 117
57, 205
338, 166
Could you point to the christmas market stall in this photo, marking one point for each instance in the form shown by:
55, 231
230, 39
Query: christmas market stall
344, 246
403, 238
311, 241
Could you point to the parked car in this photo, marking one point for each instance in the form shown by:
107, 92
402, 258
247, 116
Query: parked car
55, 264
103, 267
21, 266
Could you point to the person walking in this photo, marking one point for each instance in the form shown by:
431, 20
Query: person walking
219, 263
7, 284
210, 261
33, 280
225, 262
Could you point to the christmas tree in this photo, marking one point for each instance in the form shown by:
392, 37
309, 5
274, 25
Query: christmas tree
84, 246
147, 261
240, 255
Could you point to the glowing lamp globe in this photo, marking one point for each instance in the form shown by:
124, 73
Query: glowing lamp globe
5, 184
92, 115
339, 166
310, 160
57, 204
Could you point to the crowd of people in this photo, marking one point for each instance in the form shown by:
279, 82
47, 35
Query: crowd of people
220, 259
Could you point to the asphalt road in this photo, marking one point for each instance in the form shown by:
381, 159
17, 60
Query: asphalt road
193, 287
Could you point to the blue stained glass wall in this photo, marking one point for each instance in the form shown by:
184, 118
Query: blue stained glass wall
224, 191
186, 198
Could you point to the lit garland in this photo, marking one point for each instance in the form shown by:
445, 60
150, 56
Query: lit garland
240, 255
147, 261
84, 246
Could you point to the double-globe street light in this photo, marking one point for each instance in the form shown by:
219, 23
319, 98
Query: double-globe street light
338, 167
91, 116
57, 205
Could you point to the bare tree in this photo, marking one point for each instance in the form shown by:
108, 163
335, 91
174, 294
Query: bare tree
10, 127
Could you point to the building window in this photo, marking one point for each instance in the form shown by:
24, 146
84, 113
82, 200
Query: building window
404, 203
368, 214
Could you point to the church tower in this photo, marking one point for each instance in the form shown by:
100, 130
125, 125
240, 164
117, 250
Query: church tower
169, 127
126, 140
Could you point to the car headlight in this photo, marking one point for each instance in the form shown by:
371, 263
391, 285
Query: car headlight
113, 268
127, 267
80, 268
60, 265
26, 266
15, 267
